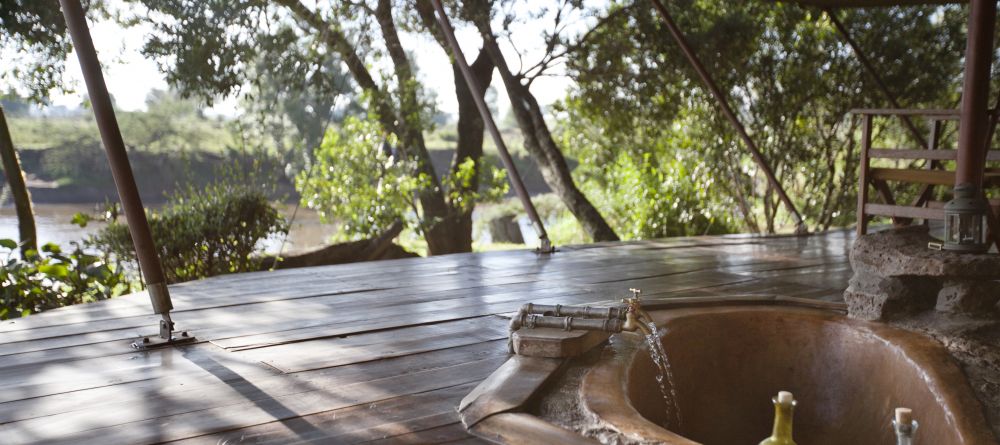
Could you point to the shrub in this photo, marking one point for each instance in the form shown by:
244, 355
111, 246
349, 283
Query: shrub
657, 198
52, 279
361, 183
202, 233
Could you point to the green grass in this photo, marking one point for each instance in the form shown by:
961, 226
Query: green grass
444, 138
42, 133
145, 131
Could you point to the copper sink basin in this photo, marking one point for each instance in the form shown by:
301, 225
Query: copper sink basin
728, 362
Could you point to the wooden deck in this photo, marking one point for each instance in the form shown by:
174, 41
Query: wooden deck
359, 353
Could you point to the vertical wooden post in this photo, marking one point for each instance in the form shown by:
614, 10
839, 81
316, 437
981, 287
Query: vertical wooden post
18, 190
121, 170
974, 123
866, 143
933, 143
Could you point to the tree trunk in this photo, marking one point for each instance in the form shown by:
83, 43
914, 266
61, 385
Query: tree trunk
18, 189
470, 124
470, 141
440, 227
538, 141
378, 248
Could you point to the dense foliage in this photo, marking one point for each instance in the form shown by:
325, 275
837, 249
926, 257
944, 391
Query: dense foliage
201, 233
35, 45
305, 66
53, 278
360, 181
651, 139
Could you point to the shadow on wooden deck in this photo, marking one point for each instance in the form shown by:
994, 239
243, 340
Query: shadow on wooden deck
356, 353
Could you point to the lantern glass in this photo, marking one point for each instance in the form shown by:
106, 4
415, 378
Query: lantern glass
965, 221
964, 229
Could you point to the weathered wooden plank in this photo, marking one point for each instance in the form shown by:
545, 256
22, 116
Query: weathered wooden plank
448, 434
262, 408
444, 310
222, 376
301, 303
329, 352
903, 211
403, 317
178, 367
902, 153
209, 324
360, 423
942, 113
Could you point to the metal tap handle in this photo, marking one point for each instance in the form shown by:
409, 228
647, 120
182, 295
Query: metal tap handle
636, 293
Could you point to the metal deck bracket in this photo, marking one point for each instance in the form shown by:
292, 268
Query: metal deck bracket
545, 246
165, 338
154, 342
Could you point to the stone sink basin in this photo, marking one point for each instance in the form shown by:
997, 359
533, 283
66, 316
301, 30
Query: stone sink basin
729, 360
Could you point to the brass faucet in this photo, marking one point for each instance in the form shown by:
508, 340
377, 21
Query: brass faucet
636, 319
630, 317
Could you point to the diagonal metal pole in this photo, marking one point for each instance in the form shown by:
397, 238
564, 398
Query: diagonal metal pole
491, 126
121, 170
869, 67
758, 157
866, 63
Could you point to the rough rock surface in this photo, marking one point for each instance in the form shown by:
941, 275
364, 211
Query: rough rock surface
560, 404
871, 297
897, 278
974, 342
969, 297
903, 252
896, 275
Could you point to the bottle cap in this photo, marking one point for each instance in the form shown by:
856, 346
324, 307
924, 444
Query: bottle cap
785, 397
904, 416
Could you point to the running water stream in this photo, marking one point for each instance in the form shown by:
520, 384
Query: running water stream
664, 377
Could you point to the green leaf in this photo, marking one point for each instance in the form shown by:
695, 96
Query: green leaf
51, 248
80, 219
8, 243
54, 270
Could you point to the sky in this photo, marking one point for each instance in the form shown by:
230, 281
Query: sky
130, 76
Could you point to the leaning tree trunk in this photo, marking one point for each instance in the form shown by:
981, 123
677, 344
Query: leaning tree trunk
542, 147
18, 189
470, 125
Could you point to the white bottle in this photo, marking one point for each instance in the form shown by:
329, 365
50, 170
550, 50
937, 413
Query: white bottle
904, 426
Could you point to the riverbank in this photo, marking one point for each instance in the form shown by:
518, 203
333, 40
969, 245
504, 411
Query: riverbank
53, 225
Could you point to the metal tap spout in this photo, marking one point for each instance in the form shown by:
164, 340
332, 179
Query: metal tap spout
633, 323
636, 318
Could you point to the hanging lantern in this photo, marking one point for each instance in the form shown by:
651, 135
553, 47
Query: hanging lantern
965, 221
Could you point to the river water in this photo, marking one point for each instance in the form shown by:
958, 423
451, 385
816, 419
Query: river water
53, 224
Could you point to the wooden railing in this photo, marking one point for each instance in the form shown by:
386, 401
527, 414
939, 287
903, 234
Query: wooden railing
933, 174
